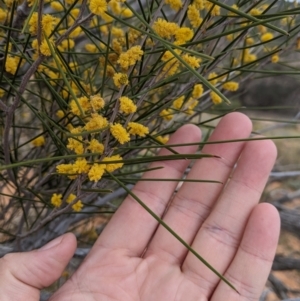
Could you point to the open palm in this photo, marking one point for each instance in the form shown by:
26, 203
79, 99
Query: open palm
136, 259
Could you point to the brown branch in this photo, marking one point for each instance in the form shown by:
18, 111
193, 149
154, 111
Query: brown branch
22, 12
279, 288
290, 219
285, 263
39, 27
11, 111
3, 106
24, 82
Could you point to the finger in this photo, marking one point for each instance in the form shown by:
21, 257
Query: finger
23, 275
251, 266
219, 237
131, 227
194, 201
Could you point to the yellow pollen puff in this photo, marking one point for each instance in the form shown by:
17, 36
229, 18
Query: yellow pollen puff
127, 13
75, 12
249, 41
162, 140
76, 145
215, 11
45, 49
70, 198
117, 32
249, 57
127, 105
192, 61
193, 15
97, 102
76, 130
81, 166
200, 4
191, 104
106, 17
56, 200
197, 91
262, 29
230, 37
232, 13
119, 133
266, 37
184, 34
98, 7
3, 15
169, 55
91, 48
115, 6
138, 129
116, 46
84, 104
48, 23
96, 172
11, 64
95, 146
230, 86
73, 65
65, 169
39, 141
216, 99
275, 58
171, 67
255, 12
52, 74
133, 35
177, 103
164, 28
113, 166
66, 44
212, 78
166, 114
77, 207
96, 123
33, 23
56, 5
174, 4
120, 79
76, 32
130, 57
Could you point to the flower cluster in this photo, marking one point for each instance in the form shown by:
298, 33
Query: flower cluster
130, 57
57, 200
48, 23
104, 79
39, 141
88, 138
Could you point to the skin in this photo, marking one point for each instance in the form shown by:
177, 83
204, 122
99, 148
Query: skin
135, 259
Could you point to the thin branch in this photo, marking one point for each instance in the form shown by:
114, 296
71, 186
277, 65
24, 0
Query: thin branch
3, 106
285, 263
40, 27
22, 12
279, 288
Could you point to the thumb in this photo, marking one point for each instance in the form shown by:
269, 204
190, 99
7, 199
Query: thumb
23, 275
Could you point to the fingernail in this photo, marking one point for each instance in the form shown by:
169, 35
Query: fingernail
51, 244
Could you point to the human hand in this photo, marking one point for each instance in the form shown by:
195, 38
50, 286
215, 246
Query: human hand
137, 259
